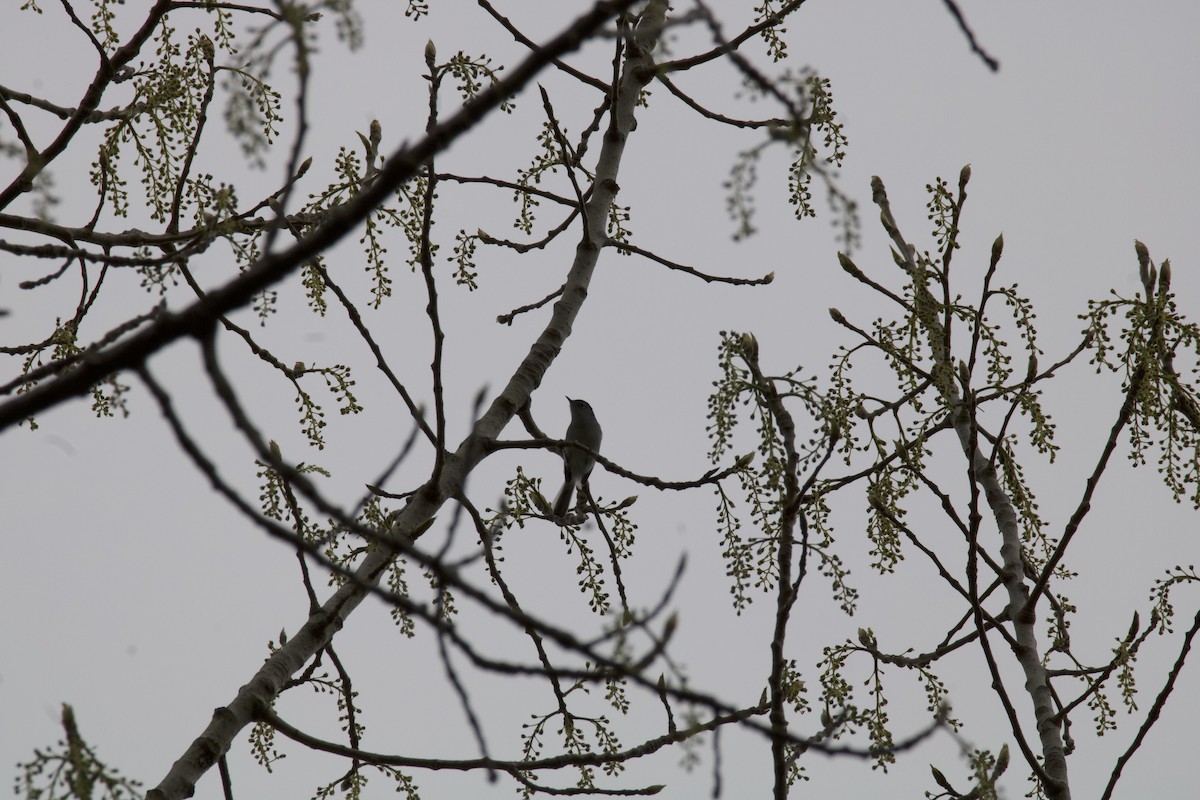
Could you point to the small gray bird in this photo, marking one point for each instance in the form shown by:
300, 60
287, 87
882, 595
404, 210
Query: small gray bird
577, 465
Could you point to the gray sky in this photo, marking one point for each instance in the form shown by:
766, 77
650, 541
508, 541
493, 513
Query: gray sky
136, 594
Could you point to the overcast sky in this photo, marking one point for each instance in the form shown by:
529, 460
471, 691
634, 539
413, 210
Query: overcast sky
133, 592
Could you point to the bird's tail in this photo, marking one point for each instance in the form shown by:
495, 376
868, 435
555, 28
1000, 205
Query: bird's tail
562, 503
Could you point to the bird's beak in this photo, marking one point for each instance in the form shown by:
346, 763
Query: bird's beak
569, 400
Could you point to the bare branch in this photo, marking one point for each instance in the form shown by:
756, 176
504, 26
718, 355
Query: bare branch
991, 63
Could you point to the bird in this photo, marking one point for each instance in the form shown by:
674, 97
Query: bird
577, 464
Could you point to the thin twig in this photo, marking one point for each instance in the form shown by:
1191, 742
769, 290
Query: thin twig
1155, 710
987, 59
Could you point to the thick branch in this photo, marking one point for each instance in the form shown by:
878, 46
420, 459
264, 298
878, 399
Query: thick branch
253, 699
1053, 767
